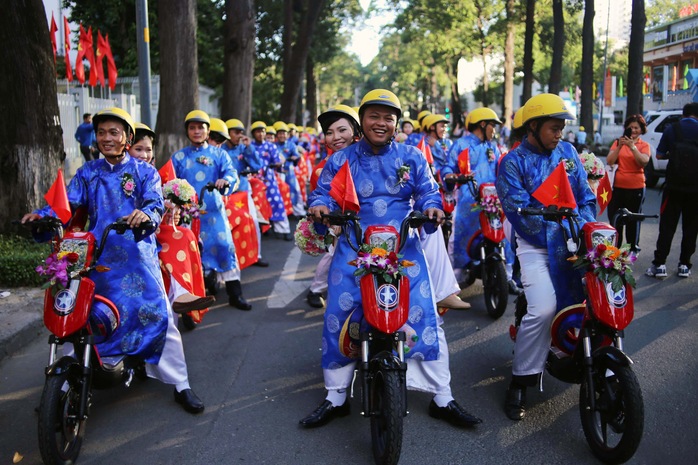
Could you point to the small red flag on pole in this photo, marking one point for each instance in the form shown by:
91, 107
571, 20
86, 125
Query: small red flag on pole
167, 172
604, 192
426, 150
52, 31
79, 66
343, 191
464, 161
100, 58
90, 55
556, 189
57, 198
66, 44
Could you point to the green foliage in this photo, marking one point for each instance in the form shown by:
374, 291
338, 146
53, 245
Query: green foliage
18, 259
663, 11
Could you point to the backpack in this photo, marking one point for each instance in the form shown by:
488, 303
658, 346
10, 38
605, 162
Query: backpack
682, 170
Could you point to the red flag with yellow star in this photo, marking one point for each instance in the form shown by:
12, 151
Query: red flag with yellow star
556, 189
52, 31
79, 65
167, 172
342, 189
99, 58
66, 44
464, 161
604, 193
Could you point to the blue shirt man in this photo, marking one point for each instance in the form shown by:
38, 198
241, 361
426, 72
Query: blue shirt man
85, 135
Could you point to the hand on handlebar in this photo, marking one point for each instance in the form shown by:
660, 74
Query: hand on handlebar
435, 214
135, 219
29, 217
222, 185
317, 212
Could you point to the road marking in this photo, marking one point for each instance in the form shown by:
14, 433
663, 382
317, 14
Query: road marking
287, 287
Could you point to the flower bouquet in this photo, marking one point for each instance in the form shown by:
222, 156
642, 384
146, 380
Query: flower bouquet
490, 204
58, 268
378, 261
179, 193
610, 263
593, 166
308, 240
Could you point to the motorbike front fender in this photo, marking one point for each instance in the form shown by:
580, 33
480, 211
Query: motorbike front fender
386, 361
494, 257
63, 365
613, 355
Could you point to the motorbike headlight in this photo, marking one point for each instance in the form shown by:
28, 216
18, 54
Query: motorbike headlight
489, 190
387, 238
601, 236
78, 246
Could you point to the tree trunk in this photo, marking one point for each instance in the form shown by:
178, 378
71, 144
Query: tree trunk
179, 74
586, 117
294, 65
238, 62
456, 108
311, 96
509, 63
635, 52
528, 50
558, 47
31, 144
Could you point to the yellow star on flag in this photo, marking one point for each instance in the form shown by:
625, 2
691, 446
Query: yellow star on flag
604, 196
238, 204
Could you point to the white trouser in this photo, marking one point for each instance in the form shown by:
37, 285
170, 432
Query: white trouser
282, 227
299, 208
253, 213
176, 289
172, 367
433, 376
230, 275
319, 284
533, 337
440, 269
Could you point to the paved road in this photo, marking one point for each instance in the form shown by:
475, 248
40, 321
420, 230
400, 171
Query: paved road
259, 373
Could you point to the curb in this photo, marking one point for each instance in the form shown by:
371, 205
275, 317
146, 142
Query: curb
21, 319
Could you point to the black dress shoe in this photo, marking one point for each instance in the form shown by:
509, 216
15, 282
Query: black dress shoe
288, 237
324, 413
189, 401
515, 403
239, 302
198, 304
453, 413
315, 299
261, 263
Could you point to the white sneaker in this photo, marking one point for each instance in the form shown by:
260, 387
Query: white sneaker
657, 271
684, 271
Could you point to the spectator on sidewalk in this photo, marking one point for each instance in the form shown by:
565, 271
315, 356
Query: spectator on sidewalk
85, 135
679, 144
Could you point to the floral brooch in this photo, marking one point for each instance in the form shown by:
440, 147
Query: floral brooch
403, 175
204, 160
127, 184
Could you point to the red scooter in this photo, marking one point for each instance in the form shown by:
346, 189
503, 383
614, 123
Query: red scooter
76, 315
382, 365
587, 343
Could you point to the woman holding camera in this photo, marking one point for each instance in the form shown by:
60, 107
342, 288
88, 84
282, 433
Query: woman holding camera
631, 154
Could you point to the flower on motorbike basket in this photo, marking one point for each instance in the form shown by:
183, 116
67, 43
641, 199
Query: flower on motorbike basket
403, 175
610, 263
58, 268
204, 160
593, 166
308, 240
128, 184
490, 204
377, 260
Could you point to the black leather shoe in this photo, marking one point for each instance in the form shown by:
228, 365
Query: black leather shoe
324, 413
261, 263
515, 403
239, 302
453, 413
315, 299
288, 237
189, 401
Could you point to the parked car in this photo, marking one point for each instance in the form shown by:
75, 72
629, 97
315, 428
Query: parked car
656, 122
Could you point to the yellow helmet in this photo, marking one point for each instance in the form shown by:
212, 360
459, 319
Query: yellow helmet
292, 127
310, 130
197, 116
545, 106
258, 125
381, 97
421, 115
517, 123
218, 126
581, 128
145, 130
235, 124
281, 126
431, 120
481, 114
115, 113
407, 121
338, 111
271, 130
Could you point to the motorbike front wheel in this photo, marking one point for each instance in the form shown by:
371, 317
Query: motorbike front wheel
60, 430
387, 407
496, 288
614, 428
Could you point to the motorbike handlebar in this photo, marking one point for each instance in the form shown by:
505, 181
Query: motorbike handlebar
120, 226
246, 172
43, 225
459, 179
551, 211
210, 187
624, 216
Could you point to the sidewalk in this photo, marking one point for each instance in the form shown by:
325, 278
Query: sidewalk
21, 318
